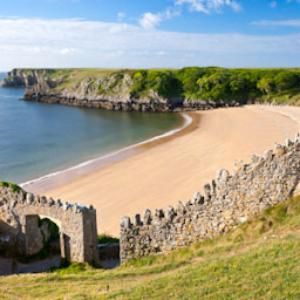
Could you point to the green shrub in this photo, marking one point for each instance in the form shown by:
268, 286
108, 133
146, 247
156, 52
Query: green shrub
15, 188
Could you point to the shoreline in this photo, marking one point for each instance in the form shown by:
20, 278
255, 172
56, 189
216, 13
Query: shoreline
57, 179
173, 171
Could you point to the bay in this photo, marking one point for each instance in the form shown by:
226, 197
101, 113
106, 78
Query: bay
37, 139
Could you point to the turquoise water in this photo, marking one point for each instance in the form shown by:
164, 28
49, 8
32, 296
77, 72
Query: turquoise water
37, 139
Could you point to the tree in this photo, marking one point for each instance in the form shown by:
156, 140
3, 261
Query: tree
266, 85
215, 86
286, 80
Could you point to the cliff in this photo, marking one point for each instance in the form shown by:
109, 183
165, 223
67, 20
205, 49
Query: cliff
28, 78
126, 90
160, 89
103, 89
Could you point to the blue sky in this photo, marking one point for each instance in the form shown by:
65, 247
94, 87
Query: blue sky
156, 33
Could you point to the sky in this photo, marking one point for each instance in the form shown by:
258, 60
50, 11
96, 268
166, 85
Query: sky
149, 34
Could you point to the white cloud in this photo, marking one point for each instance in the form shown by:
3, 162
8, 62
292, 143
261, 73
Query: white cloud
80, 43
276, 23
208, 6
151, 20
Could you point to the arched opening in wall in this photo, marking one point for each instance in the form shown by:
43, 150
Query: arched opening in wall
32, 247
51, 237
42, 237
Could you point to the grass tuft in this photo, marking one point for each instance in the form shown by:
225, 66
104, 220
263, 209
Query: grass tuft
14, 187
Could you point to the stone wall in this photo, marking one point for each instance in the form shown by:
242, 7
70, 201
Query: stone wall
19, 212
227, 201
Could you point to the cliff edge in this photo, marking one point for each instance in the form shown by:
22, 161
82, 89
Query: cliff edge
104, 89
162, 90
125, 90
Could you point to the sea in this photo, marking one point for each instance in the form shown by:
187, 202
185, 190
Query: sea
37, 139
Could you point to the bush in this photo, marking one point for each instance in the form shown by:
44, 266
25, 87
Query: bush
286, 80
164, 83
15, 188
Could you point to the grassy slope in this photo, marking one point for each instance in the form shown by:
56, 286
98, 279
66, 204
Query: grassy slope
259, 260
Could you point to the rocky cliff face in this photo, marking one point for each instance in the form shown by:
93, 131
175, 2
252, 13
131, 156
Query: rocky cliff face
110, 90
114, 94
15, 78
26, 78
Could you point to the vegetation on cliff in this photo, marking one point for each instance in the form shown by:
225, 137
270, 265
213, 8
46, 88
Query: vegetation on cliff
258, 260
191, 84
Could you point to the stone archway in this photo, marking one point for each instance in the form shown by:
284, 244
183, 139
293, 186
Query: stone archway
78, 231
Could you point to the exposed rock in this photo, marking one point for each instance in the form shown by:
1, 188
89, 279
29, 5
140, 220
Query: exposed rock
109, 92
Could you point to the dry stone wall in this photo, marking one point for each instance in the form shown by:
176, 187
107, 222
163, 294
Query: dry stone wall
227, 201
19, 214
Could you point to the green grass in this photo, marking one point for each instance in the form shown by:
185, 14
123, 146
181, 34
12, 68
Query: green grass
13, 186
258, 260
107, 239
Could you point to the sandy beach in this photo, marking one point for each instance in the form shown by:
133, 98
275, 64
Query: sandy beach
172, 169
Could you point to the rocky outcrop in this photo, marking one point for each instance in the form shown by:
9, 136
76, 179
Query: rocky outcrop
226, 202
190, 105
28, 78
16, 78
106, 103
109, 92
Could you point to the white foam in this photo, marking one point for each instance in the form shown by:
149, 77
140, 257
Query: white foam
187, 121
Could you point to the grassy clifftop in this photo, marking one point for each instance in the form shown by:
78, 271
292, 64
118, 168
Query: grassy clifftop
193, 83
259, 260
